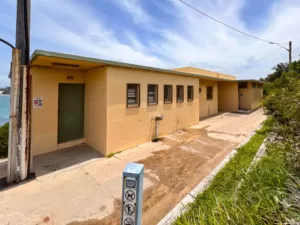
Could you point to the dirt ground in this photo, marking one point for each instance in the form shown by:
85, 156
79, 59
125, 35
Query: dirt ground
89, 194
178, 170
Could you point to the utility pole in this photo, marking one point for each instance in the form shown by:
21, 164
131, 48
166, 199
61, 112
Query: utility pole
290, 53
13, 117
288, 49
23, 43
19, 150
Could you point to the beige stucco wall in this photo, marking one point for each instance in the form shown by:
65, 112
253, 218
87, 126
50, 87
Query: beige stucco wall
257, 95
95, 114
128, 127
250, 98
204, 72
245, 97
208, 107
228, 96
45, 119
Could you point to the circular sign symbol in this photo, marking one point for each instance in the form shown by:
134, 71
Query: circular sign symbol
128, 221
130, 195
129, 209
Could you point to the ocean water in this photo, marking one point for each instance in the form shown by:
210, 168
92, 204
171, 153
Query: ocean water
4, 109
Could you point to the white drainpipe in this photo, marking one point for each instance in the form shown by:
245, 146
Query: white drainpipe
157, 118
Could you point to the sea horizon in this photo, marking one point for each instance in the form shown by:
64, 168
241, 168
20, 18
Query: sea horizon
4, 108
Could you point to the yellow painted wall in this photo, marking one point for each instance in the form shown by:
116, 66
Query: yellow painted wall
205, 72
228, 96
108, 125
245, 97
250, 98
95, 109
208, 107
45, 119
128, 127
257, 95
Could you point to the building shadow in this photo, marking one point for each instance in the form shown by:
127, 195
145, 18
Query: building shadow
63, 159
247, 112
58, 161
214, 115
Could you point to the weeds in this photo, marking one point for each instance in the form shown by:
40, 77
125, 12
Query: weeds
112, 154
209, 205
268, 195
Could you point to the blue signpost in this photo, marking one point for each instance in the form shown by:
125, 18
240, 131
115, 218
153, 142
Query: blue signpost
132, 194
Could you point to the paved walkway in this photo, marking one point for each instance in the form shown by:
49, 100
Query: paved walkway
89, 193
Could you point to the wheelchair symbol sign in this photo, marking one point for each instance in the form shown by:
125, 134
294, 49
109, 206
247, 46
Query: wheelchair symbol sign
130, 195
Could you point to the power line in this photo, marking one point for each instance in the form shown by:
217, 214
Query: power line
216, 20
255, 62
7, 43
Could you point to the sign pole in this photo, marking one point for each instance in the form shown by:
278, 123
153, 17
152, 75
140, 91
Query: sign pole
132, 194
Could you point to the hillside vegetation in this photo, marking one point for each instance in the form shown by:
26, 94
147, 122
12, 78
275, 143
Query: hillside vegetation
270, 192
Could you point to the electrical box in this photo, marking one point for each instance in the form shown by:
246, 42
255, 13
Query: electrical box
132, 194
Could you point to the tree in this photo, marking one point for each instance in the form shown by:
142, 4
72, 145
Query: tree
279, 70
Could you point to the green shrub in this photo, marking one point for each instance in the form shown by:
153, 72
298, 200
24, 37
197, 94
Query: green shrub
283, 102
4, 131
269, 194
208, 206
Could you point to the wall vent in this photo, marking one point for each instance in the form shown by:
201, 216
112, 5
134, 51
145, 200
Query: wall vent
65, 65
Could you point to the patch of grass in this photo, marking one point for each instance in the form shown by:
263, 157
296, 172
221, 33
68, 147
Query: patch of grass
208, 204
268, 195
258, 199
112, 154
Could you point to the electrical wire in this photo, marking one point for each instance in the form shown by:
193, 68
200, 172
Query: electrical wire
255, 62
5, 42
235, 29
281, 46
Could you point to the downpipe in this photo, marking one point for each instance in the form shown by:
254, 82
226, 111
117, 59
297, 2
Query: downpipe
157, 119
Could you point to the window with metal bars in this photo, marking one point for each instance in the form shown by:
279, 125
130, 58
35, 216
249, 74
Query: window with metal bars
179, 93
133, 95
152, 94
209, 93
190, 93
168, 94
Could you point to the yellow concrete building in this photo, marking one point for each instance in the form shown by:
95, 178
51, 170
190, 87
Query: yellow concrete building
111, 106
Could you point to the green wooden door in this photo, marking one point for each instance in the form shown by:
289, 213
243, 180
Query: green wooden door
70, 112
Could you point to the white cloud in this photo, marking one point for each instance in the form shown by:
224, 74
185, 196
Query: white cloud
198, 39
86, 35
192, 39
134, 8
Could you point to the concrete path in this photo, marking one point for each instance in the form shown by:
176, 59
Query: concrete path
89, 193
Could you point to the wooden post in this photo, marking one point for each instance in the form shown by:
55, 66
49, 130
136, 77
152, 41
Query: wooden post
13, 119
19, 141
23, 43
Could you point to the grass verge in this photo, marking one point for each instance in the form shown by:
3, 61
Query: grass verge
207, 207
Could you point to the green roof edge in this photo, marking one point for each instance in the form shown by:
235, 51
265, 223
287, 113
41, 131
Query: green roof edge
38, 52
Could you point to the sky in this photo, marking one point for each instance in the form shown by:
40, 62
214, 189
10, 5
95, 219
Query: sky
161, 33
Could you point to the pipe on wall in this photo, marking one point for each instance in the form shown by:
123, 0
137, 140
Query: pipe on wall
157, 119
